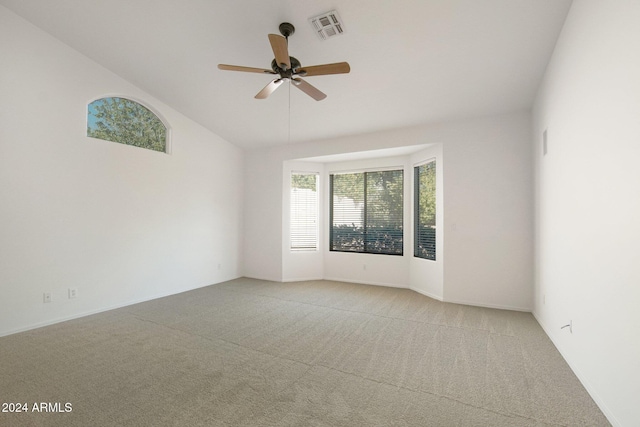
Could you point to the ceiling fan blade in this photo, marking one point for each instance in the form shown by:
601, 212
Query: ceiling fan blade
310, 90
245, 69
268, 89
280, 50
320, 70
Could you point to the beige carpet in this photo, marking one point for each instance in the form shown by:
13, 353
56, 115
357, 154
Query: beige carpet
256, 353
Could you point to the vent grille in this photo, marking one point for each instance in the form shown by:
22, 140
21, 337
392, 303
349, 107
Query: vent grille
327, 25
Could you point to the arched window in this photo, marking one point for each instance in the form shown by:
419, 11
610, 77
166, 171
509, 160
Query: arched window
127, 122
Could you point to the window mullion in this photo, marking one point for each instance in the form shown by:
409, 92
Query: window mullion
331, 212
364, 220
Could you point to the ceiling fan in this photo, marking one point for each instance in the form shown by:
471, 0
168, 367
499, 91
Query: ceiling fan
288, 68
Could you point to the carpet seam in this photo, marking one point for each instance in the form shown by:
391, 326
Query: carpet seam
509, 415
310, 366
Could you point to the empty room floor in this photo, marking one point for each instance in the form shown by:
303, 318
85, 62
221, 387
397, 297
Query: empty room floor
256, 353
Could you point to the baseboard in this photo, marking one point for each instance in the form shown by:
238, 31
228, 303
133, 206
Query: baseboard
585, 383
302, 279
360, 282
496, 306
473, 304
74, 316
427, 294
99, 310
395, 285
266, 278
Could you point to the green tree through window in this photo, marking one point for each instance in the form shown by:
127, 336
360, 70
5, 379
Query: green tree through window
127, 122
366, 212
425, 211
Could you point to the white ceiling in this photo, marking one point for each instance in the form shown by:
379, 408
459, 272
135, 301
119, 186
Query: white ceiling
412, 61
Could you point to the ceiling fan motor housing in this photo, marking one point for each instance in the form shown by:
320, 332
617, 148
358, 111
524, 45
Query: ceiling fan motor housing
295, 66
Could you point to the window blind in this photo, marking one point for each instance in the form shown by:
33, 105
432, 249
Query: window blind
367, 212
304, 211
425, 211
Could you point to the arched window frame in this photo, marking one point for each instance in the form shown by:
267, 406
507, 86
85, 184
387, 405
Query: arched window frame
149, 107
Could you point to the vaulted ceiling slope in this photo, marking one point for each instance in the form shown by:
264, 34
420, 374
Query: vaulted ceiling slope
412, 61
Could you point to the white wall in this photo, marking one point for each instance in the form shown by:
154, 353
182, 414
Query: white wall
588, 203
263, 177
487, 212
119, 223
488, 217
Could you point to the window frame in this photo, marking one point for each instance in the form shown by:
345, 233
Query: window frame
365, 219
416, 211
317, 213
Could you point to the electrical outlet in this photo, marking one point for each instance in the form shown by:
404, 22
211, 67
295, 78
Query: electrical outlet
73, 292
219, 266
46, 297
364, 266
544, 298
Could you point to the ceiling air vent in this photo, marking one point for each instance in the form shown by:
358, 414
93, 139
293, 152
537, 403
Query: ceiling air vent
327, 25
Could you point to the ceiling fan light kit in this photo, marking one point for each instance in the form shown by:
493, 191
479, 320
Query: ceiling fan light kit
288, 68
